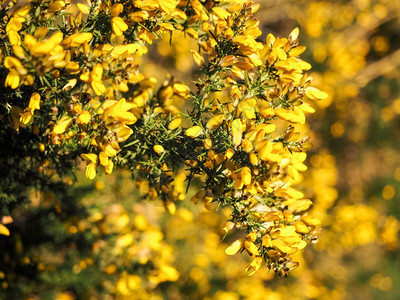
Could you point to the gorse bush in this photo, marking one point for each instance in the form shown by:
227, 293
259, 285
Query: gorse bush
72, 91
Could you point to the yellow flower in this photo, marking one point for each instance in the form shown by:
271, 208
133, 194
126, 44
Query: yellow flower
123, 133
109, 150
235, 247
84, 117
109, 167
11, 62
21, 12
215, 121
78, 39
34, 102
245, 174
158, 149
237, 129
168, 6
13, 25
97, 73
41, 32
199, 60
56, 6
118, 25
15, 114
251, 247
116, 9
44, 47
301, 227
229, 153
221, 13
315, 94
95, 80
247, 107
194, 131
254, 265
119, 111
174, 124
83, 8
12, 79
4, 230
198, 196
181, 89
14, 37
41, 147
199, 9
62, 125
26, 117
91, 163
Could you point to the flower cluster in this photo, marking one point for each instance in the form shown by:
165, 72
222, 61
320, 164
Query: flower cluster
76, 90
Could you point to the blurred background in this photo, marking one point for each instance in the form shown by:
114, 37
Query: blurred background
99, 241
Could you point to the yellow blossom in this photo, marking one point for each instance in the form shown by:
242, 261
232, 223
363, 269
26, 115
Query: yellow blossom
194, 131
174, 124
78, 39
245, 174
84, 117
118, 25
83, 8
62, 125
116, 9
315, 94
197, 58
235, 247
237, 129
4, 230
254, 265
215, 121
12, 79
91, 163
158, 149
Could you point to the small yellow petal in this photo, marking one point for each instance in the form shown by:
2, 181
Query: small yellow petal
118, 25
12, 79
246, 175
194, 131
109, 150
103, 159
34, 102
174, 124
234, 247
83, 8
84, 117
158, 149
215, 122
311, 221
266, 241
14, 37
90, 172
98, 87
254, 266
62, 125
181, 89
301, 227
4, 230
251, 247
108, 169
199, 60
89, 157
315, 94
116, 9
294, 34
11, 62
237, 129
